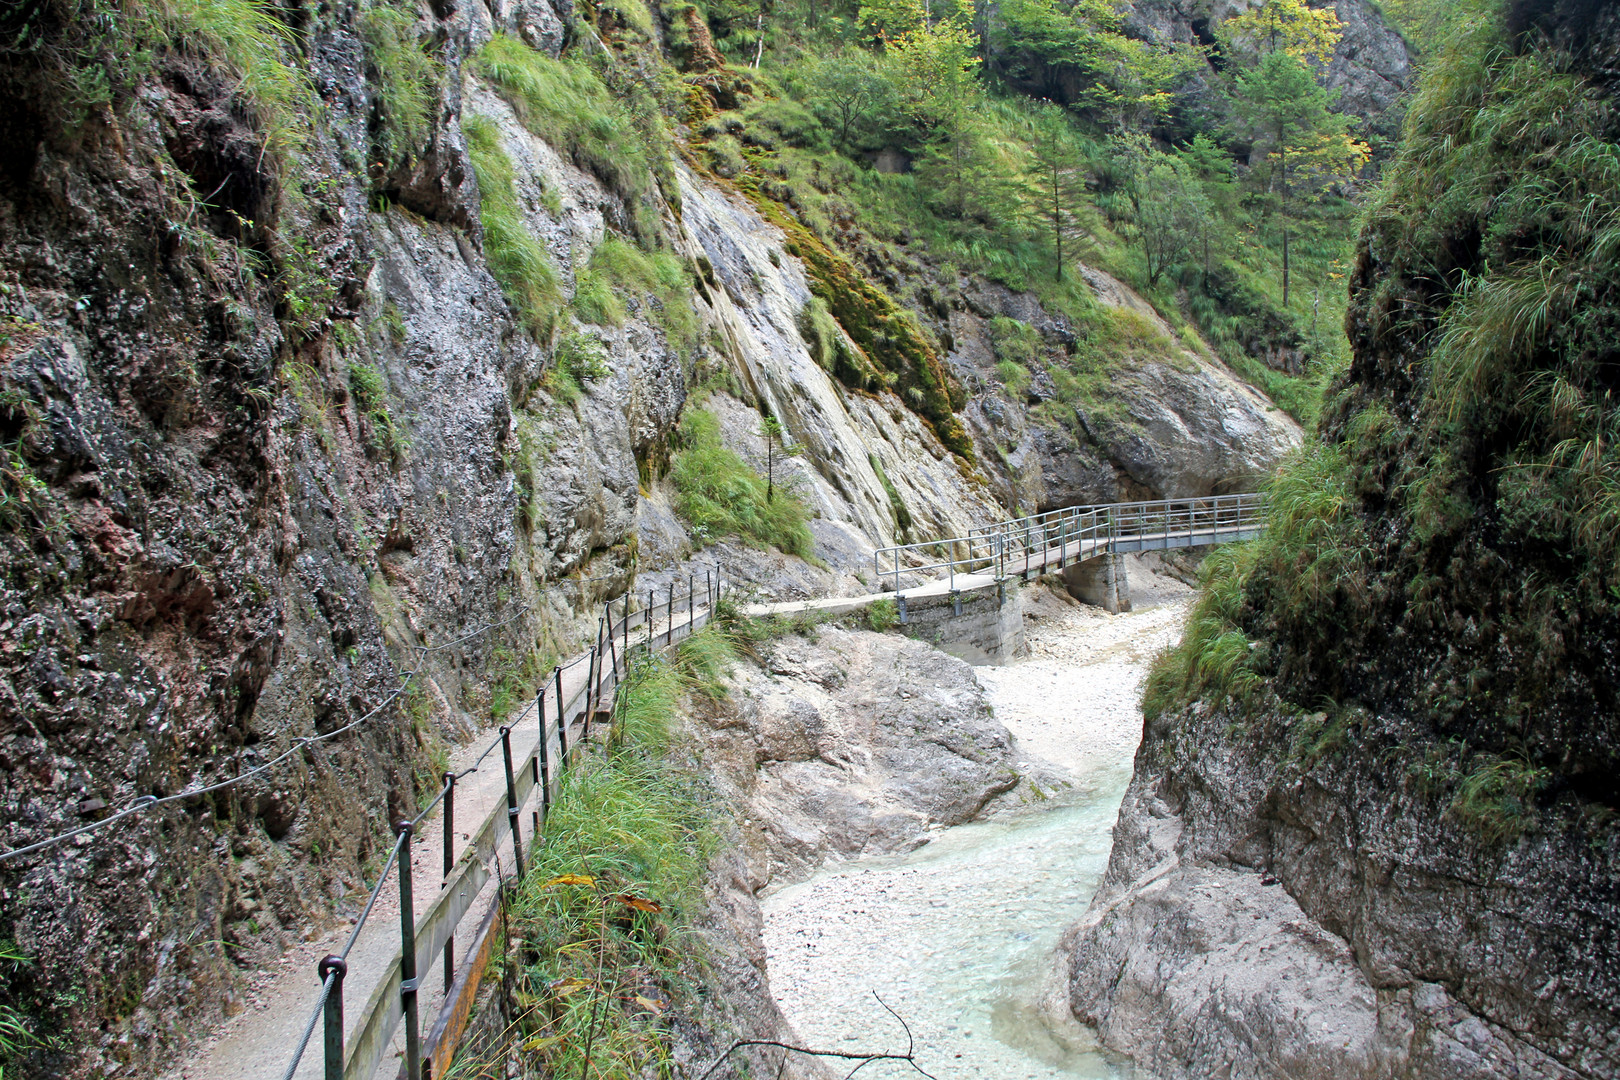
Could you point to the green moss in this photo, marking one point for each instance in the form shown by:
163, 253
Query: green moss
384, 437
893, 348
897, 505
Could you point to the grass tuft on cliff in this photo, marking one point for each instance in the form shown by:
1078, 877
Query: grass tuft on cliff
516, 258
657, 280
405, 76
720, 494
566, 103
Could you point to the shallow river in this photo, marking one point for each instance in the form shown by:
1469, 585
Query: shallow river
960, 937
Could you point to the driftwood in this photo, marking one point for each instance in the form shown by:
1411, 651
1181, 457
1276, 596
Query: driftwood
863, 1059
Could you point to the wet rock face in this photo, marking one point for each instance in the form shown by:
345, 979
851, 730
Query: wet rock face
855, 744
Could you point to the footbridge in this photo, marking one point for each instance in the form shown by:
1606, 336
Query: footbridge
953, 591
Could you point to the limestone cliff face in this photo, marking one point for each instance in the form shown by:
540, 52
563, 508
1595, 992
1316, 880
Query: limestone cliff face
266, 455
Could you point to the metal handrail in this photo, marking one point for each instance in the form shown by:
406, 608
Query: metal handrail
1088, 530
394, 998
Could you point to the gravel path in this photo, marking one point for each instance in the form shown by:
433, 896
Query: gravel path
960, 937
258, 1043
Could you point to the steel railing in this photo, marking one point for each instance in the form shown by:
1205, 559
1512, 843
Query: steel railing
1052, 540
563, 724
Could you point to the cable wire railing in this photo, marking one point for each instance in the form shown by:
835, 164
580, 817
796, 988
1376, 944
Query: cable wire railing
567, 702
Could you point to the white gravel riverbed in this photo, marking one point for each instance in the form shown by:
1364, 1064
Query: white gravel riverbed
960, 937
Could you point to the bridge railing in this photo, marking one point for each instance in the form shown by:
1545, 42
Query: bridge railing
1025, 544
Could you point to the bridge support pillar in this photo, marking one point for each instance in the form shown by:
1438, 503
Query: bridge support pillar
983, 625
1102, 582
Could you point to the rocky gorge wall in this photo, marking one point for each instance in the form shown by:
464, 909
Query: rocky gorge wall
1372, 828
277, 438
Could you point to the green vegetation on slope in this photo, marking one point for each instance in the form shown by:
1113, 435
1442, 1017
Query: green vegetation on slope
620, 137
719, 494
515, 257
606, 908
1448, 552
992, 183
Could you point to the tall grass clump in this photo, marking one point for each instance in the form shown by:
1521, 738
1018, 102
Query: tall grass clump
656, 279
515, 257
404, 76
578, 361
1520, 152
245, 39
606, 908
566, 103
719, 494
16, 1034
1309, 560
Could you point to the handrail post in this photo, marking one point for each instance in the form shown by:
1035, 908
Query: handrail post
562, 719
590, 686
449, 865
613, 648
652, 607
334, 967
511, 801
669, 612
545, 754
407, 946
691, 604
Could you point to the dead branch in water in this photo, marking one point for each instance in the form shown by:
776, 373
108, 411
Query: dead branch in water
909, 1057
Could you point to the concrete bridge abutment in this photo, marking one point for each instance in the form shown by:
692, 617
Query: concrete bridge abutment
1102, 581
983, 625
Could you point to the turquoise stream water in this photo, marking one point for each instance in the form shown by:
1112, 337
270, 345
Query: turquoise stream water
960, 938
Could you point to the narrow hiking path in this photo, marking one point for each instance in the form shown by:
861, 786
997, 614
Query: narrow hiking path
258, 1043
969, 925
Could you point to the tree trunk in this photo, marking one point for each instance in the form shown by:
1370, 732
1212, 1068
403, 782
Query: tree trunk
759, 28
1057, 219
1285, 260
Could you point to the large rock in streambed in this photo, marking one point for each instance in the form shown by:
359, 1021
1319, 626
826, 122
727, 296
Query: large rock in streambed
853, 744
